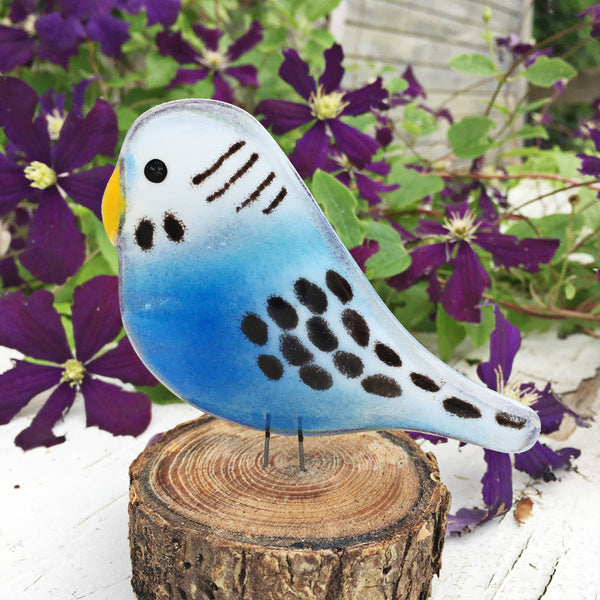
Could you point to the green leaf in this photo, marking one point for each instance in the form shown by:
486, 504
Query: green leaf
531, 106
418, 121
159, 394
529, 132
546, 71
470, 137
413, 186
316, 10
159, 69
391, 258
339, 206
480, 332
450, 333
396, 85
473, 64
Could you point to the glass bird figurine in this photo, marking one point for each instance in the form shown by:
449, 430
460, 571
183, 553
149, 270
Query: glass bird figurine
238, 295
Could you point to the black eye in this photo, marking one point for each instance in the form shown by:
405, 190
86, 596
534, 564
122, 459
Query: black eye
155, 170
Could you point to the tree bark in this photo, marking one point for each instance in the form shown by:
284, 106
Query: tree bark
365, 521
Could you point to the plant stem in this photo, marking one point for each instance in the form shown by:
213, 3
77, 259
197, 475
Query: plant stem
548, 312
592, 184
95, 70
525, 56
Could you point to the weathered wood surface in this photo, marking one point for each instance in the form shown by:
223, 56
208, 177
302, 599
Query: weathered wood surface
366, 520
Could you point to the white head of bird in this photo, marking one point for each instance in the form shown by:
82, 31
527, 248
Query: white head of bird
239, 296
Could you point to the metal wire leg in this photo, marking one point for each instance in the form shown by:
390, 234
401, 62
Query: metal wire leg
267, 441
301, 449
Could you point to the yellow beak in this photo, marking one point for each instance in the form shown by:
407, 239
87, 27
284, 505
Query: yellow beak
113, 206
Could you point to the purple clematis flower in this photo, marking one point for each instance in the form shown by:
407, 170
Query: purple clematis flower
211, 61
462, 230
33, 326
348, 173
594, 13
45, 172
325, 105
590, 164
539, 462
53, 31
164, 12
517, 49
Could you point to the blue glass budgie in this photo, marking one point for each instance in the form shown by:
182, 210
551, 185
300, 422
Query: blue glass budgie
238, 295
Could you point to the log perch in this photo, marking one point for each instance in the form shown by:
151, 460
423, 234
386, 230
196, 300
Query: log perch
207, 521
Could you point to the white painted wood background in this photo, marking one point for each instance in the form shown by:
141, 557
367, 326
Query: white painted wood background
63, 510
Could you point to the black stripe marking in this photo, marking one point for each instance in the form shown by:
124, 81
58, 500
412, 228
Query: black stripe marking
339, 286
507, 420
356, 326
320, 334
174, 228
271, 366
276, 201
257, 192
311, 295
282, 312
424, 382
381, 385
198, 179
315, 377
462, 409
255, 329
348, 364
144, 234
386, 355
293, 350
237, 175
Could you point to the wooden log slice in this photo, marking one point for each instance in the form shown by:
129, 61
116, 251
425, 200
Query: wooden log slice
365, 521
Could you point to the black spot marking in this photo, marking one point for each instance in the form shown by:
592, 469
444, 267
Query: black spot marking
508, 420
173, 227
339, 286
282, 312
155, 170
316, 377
144, 234
275, 202
462, 409
294, 351
424, 382
257, 192
381, 385
348, 364
320, 334
237, 175
311, 295
198, 179
356, 327
386, 355
255, 329
271, 366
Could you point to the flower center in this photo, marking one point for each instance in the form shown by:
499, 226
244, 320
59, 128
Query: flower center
514, 389
40, 175
461, 227
55, 122
214, 60
326, 106
73, 372
28, 25
344, 162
